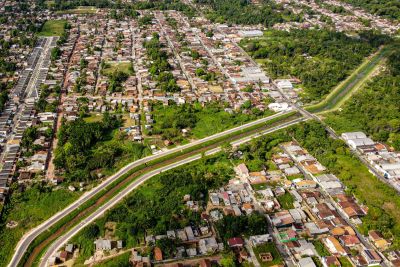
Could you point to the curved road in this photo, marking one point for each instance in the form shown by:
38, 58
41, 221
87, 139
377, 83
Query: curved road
28, 238
55, 246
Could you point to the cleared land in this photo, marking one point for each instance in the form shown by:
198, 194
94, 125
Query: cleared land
111, 67
53, 28
80, 10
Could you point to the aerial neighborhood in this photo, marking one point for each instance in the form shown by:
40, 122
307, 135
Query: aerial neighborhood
199, 133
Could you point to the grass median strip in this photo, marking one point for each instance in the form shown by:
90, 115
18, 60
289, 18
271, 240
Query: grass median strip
41, 243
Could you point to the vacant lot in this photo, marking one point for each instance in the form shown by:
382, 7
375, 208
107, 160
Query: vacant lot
125, 67
80, 10
53, 28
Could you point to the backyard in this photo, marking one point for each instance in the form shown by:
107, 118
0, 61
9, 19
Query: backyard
268, 248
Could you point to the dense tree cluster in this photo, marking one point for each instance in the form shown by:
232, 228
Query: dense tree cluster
385, 8
3, 99
159, 66
375, 109
116, 79
320, 58
235, 226
43, 104
257, 153
84, 147
165, 5
55, 53
244, 12
158, 206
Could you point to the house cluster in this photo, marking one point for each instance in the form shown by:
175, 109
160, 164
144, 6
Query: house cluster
381, 157
303, 159
117, 50
192, 241
20, 113
207, 64
82, 73
350, 20
16, 50
305, 213
143, 260
64, 255
40, 150
288, 88
333, 216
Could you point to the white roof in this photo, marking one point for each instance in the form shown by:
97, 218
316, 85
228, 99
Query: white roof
360, 142
284, 84
331, 185
390, 166
306, 262
353, 135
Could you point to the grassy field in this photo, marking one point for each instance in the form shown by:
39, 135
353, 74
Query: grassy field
29, 209
208, 120
261, 186
53, 28
211, 123
80, 10
268, 247
110, 67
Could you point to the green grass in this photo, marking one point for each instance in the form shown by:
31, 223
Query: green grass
118, 261
286, 201
211, 123
268, 247
110, 67
53, 28
29, 209
209, 120
320, 248
259, 186
344, 261
93, 118
79, 10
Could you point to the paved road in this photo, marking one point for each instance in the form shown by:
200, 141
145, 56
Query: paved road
99, 212
31, 235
